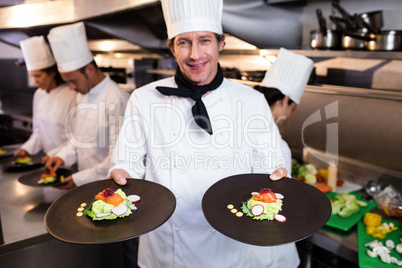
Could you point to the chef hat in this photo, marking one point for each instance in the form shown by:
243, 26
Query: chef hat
289, 73
182, 16
36, 53
70, 47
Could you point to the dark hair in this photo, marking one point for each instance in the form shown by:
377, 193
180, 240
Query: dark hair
82, 69
57, 77
219, 37
271, 94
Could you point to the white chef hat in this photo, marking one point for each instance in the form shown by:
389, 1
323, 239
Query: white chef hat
289, 73
182, 16
36, 53
70, 47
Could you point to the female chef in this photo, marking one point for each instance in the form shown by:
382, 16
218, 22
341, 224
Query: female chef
51, 101
283, 86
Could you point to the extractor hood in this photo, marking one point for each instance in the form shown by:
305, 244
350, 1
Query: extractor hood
140, 22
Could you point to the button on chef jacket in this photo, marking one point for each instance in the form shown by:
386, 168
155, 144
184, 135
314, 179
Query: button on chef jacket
187, 160
49, 111
95, 126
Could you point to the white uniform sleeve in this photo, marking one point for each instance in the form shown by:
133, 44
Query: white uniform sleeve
100, 170
130, 151
267, 151
33, 145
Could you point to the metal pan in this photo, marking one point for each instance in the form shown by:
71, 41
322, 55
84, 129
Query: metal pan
390, 40
331, 39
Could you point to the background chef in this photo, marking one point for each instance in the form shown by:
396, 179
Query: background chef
95, 123
161, 125
283, 85
51, 102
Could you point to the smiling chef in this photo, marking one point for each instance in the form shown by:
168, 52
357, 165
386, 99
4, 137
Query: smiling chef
189, 131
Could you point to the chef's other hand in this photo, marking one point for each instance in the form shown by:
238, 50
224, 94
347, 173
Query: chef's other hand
20, 152
44, 159
119, 176
54, 163
68, 183
278, 174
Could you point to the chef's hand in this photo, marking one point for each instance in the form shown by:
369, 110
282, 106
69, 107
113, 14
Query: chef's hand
278, 174
54, 163
119, 176
44, 159
20, 152
68, 183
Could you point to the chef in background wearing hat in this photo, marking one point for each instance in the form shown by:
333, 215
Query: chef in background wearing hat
51, 101
94, 124
191, 131
283, 86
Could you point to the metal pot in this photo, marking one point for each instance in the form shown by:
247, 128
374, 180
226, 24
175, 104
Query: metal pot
330, 39
355, 41
372, 21
385, 40
349, 42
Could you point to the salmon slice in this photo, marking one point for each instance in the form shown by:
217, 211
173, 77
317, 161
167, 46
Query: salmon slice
110, 198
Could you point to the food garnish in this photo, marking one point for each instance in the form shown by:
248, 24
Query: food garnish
111, 204
47, 177
23, 160
264, 205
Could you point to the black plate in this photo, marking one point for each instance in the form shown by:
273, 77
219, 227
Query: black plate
306, 209
155, 207
32, 178
14, 167
6, 153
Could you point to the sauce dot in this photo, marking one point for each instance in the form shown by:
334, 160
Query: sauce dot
230, 206
79, 214
239, 214
233, 210
83, 204
80, 209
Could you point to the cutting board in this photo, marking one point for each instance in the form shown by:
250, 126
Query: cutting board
345, 224
362, 238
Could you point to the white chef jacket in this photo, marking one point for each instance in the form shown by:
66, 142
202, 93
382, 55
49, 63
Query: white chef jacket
187, 160
95, 125
287, 155
49, 112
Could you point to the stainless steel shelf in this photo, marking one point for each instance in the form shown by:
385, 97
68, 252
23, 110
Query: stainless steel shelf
391, 55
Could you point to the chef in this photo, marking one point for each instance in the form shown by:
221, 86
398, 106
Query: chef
283, 86
94, 124
51, 101
189, 131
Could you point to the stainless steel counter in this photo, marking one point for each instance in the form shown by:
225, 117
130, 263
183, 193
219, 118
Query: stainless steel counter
22, 208
22, 211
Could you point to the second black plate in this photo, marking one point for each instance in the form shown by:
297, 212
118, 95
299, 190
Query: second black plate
32, 178
305, 207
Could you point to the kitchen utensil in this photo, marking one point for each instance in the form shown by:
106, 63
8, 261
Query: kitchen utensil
347, 19
355, 41
321, 21
372, 21
331, 39
32, 178
390, 40
156, 206
363, 238
306, 208
372, 188
344, 224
